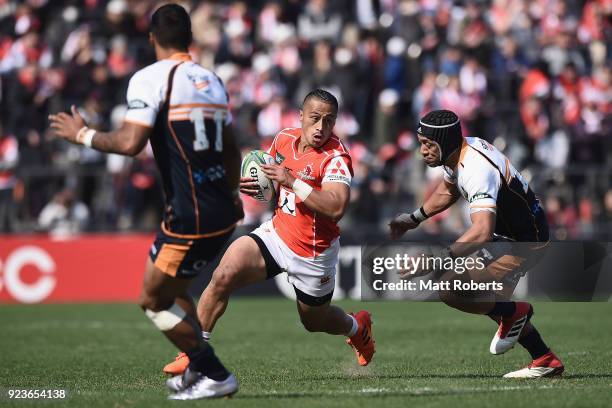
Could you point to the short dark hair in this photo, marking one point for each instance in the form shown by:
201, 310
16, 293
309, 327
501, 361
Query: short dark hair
171, 26
323, 95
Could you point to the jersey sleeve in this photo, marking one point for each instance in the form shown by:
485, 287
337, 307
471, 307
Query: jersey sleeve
449, 177
142, 100
228, 117
276, 148
481, 188
338, 169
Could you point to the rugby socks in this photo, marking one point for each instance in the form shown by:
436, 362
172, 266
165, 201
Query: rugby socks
534, 344
206, 362
354, 328
503, 309
206, 335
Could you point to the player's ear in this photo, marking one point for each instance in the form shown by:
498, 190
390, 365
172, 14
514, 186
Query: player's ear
151, 38
301, 114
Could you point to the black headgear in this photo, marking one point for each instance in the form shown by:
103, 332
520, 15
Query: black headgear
442, 127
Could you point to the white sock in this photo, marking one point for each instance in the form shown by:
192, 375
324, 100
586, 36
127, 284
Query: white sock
354, 328
206, 336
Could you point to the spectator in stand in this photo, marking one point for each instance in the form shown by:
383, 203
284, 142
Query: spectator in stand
322, 73
318, 22
425, 97
276, 116
562, 217
9, 157
64, 215
142, 197
563, 51
606, 218
509, 66
566, 92
535, 119
533, 77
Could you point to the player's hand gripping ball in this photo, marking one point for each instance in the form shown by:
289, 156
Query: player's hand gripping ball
254, 181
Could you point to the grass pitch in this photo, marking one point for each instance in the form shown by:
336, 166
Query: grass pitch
428, 356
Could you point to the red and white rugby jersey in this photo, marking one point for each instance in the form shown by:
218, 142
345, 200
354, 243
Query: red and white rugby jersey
305, 232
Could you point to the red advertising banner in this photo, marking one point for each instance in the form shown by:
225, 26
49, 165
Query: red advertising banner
95, 268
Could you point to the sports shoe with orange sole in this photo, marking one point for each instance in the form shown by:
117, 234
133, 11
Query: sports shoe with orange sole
178, 366
363, 342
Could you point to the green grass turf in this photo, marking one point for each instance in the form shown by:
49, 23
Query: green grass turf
428, 356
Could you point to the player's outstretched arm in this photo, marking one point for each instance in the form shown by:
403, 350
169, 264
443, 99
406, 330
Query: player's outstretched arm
445, 195
331, 201
129, 140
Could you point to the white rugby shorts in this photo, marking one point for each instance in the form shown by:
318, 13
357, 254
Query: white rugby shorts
314, 276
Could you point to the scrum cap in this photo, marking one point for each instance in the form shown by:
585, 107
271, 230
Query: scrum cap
444, 128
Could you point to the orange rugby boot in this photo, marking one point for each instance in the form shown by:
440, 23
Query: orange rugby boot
178, 366
363, 342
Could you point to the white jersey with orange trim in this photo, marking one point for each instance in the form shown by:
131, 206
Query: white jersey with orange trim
305, 232
193, 87
489, 182
186, 106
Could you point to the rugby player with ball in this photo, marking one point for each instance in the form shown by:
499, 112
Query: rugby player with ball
313, 172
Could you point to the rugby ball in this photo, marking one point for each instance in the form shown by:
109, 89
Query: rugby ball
251, 167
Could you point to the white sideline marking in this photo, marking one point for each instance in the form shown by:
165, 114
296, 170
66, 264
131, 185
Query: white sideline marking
576, 353
419, 391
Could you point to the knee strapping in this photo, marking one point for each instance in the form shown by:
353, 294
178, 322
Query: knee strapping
167, 319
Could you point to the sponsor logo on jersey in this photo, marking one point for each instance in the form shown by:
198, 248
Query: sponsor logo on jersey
201, 85
325, 279
287, 202
479, 196
211, 174
279, 158
535, 207
137, 104
199, 265
306, 173
199, 81
188, 272
337, 171
485, 145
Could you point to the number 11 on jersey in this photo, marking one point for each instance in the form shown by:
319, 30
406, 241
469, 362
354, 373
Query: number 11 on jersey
201, 142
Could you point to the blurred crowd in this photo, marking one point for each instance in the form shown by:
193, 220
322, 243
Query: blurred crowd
532, 77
